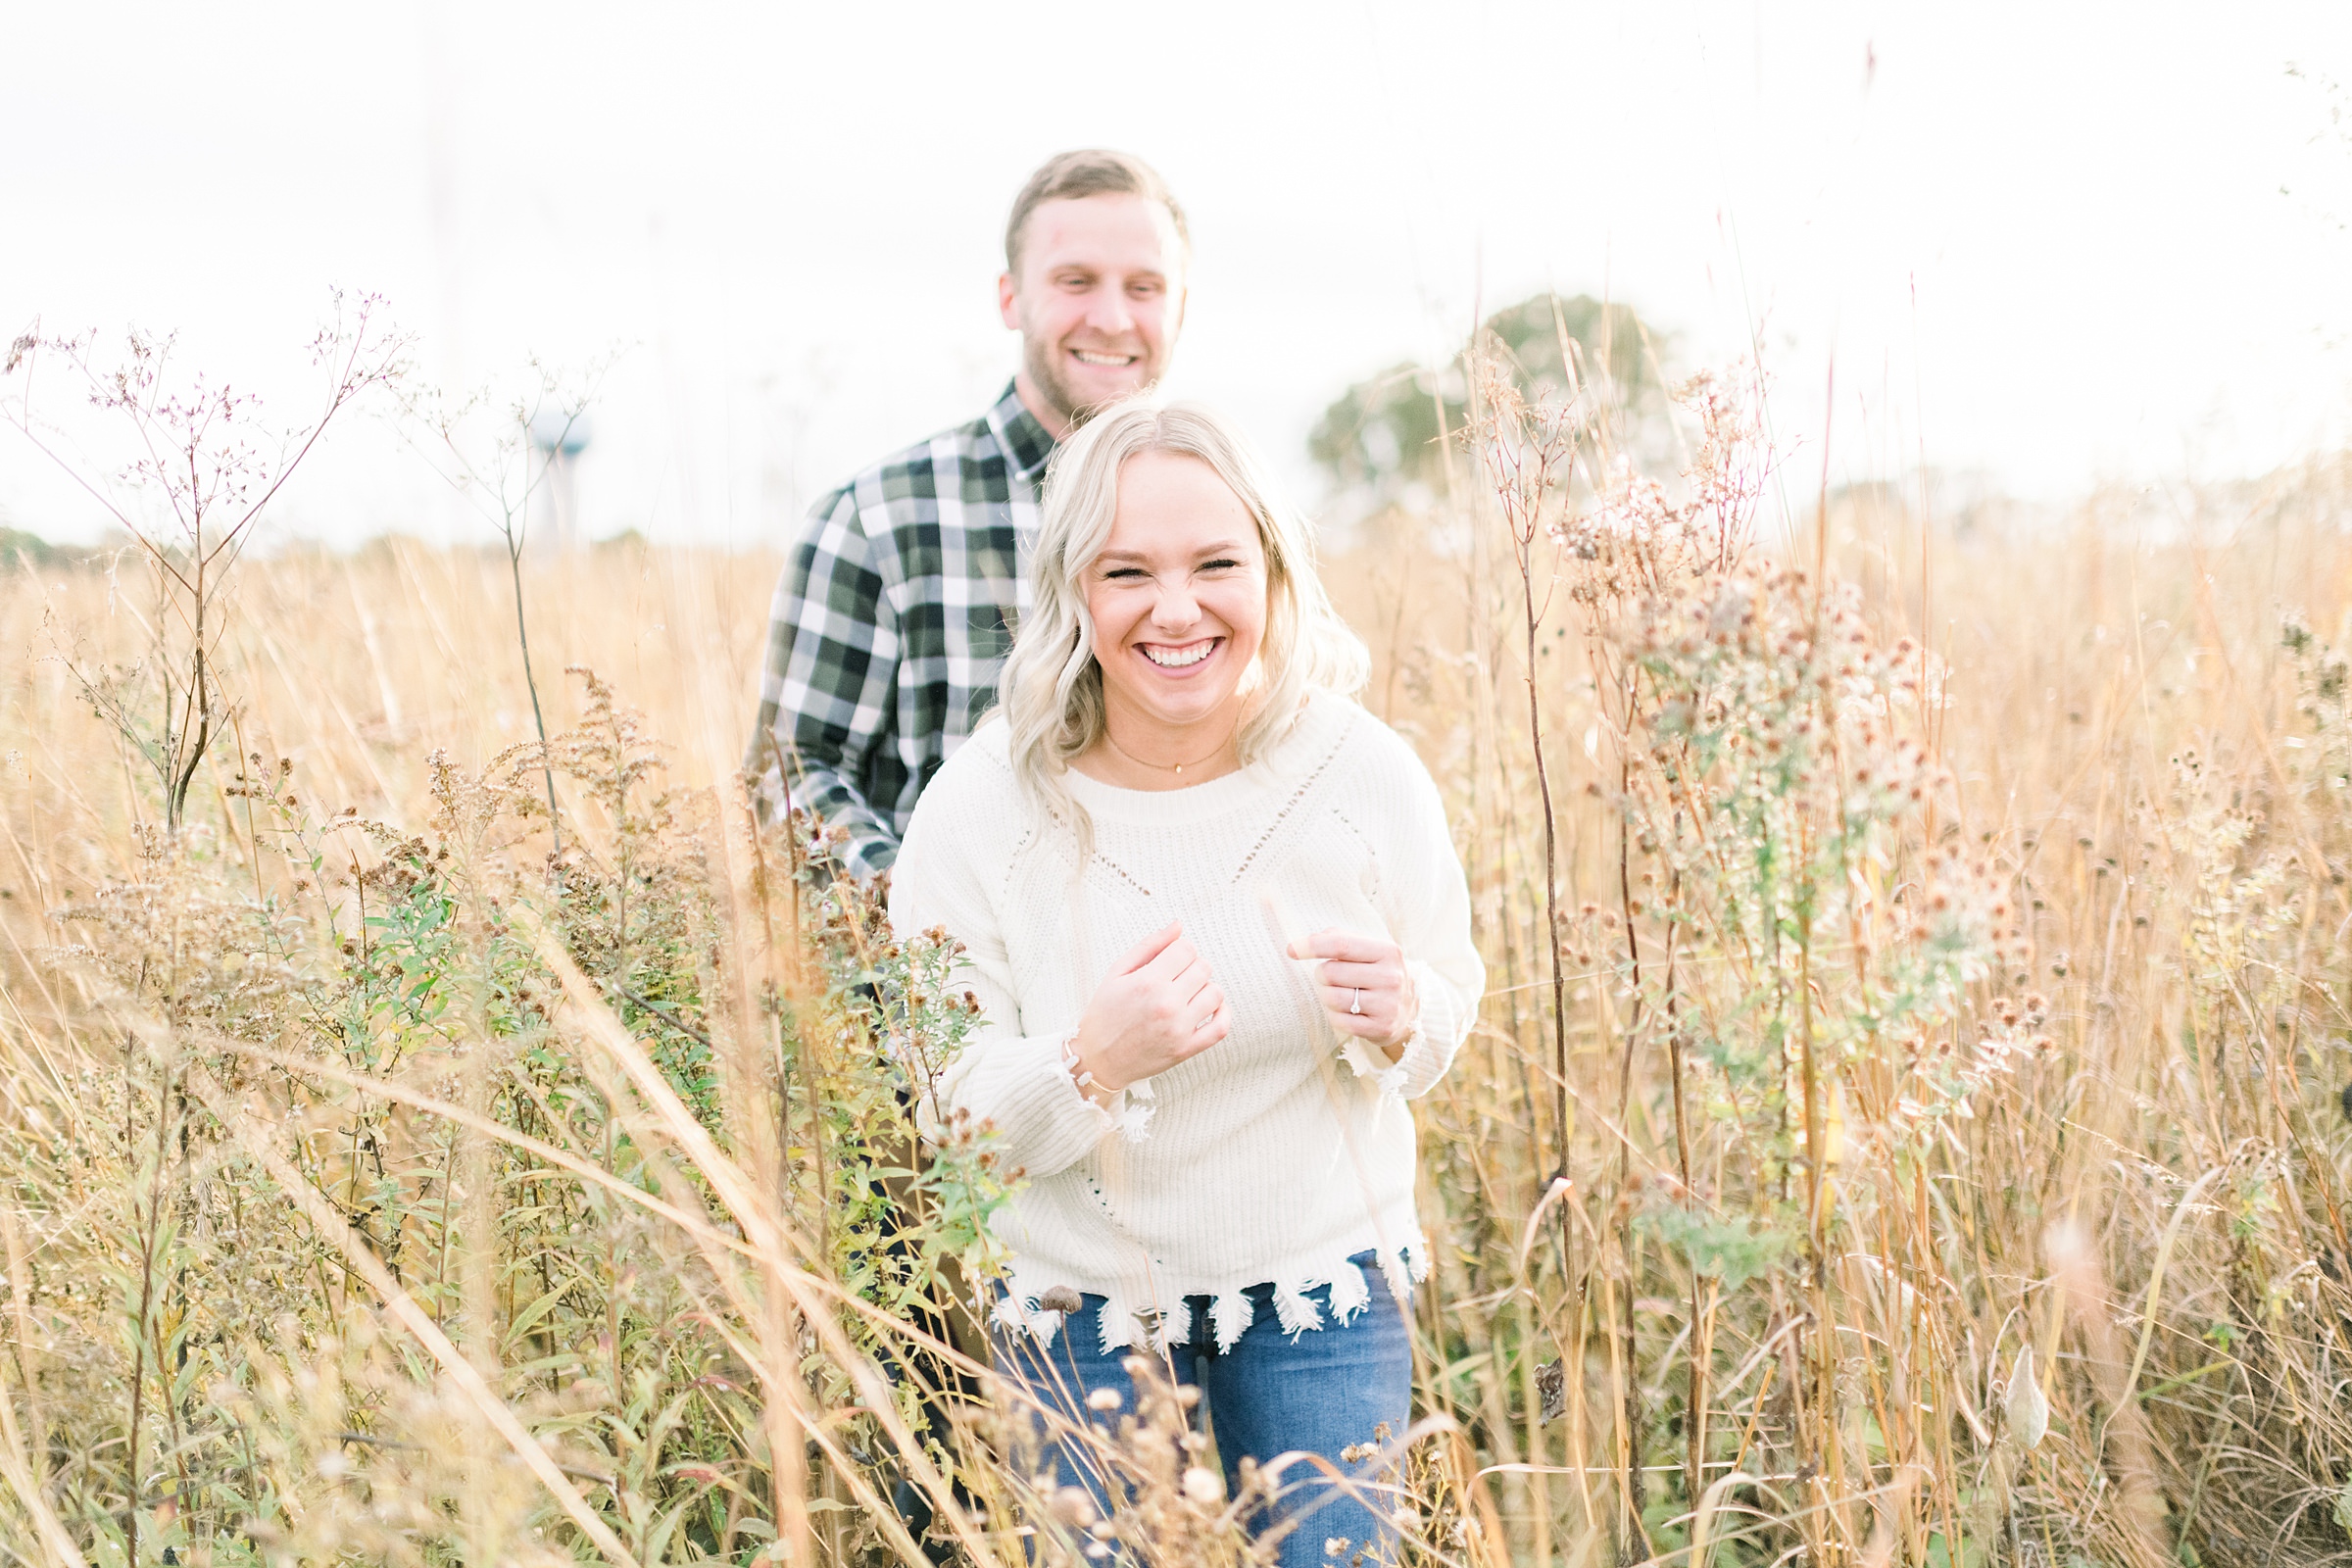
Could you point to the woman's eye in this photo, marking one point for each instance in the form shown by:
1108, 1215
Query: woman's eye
1123, 574
1219, 565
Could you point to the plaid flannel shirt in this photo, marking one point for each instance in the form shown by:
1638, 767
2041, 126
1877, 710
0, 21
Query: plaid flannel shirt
890, 624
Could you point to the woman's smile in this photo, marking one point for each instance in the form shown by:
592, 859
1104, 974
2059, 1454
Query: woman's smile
1181, 658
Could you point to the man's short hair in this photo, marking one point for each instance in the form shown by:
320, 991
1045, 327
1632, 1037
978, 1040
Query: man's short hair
1089, 172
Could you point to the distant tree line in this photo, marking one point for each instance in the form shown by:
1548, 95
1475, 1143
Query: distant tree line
21, 549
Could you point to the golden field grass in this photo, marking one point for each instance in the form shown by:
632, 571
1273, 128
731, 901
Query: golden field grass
2143, 1177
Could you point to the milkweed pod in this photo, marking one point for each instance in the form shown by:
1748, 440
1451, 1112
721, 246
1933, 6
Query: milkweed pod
2028, 1407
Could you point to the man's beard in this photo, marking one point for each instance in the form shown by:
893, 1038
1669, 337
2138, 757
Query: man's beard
1044, 361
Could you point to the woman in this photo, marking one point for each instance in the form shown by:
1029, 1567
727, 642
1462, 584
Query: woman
1219, 936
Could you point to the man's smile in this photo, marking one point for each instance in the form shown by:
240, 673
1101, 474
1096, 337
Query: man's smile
1116, 362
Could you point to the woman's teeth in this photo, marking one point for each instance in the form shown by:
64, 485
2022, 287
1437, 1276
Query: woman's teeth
1179, 658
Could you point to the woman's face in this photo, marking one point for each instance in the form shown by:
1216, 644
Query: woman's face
1178, 598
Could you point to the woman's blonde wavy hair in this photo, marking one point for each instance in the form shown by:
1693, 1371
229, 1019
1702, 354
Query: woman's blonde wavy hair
1050, 693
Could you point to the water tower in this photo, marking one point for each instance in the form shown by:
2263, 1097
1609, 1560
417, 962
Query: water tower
557, 438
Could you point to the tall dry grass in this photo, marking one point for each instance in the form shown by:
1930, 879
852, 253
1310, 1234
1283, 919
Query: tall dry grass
377, 1194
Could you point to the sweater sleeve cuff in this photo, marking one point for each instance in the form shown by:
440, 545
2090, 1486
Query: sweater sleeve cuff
1427, 1049
1021, 1085
1437, 1034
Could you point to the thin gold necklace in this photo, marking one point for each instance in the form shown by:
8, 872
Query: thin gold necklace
1177, 768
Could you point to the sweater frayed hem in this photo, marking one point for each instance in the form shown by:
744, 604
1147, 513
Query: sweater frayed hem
1123, 1316
1386, 1077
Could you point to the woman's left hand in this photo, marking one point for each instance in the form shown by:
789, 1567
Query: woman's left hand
1365, 987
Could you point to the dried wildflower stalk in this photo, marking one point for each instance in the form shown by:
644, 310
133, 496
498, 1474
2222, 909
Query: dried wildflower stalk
200, 461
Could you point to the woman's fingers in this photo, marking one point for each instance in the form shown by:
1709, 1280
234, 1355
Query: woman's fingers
1344, 973
1334, 943
1173, 959
1343, 995
1159, 1006
1187, 985
1379, 1010
1154, 946
1358, 988
1212, 1003
1374, 990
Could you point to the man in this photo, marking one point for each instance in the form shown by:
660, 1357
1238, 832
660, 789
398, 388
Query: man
898, 606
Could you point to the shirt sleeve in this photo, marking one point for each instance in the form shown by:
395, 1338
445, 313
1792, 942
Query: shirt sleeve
826, 696
1003, 1075
1427, 904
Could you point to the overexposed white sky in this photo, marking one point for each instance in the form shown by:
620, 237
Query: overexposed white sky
2055, 243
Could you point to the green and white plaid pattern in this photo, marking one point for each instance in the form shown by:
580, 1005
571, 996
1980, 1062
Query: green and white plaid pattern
891, 623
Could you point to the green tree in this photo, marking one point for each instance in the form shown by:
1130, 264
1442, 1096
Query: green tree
1380, 441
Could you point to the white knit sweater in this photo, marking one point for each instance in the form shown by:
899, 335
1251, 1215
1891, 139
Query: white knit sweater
1276, 1154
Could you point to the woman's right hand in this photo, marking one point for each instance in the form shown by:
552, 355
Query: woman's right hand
1157, 1008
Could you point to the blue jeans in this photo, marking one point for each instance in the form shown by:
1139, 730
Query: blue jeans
1321, 1391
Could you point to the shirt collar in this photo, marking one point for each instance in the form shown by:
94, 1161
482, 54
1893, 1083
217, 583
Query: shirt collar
1024, 441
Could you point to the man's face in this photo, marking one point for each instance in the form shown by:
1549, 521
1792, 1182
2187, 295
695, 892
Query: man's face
1097, 302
